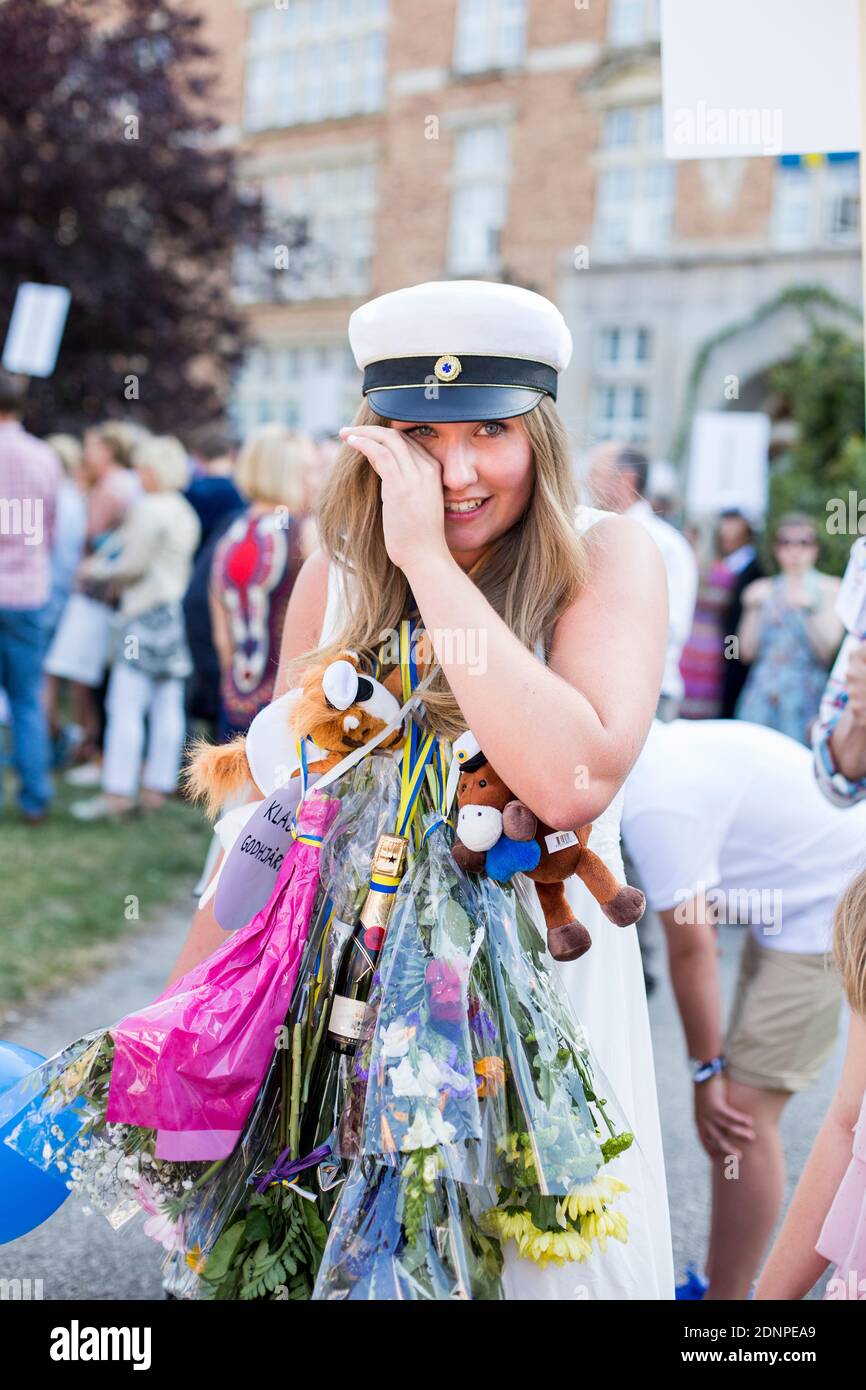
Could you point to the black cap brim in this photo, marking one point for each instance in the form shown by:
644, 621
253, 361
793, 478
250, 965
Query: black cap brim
453, 402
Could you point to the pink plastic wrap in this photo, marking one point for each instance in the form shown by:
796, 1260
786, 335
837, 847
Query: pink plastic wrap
191, 1064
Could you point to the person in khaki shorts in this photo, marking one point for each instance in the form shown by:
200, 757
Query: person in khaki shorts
785, 1018
725, 823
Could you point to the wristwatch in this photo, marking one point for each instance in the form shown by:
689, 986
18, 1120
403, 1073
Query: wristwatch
705, 1071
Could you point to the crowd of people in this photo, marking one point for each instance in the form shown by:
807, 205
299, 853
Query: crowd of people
148, 602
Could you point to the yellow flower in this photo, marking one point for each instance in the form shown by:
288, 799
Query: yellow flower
492, 1073
589, 1197
543, 1247
195, 1259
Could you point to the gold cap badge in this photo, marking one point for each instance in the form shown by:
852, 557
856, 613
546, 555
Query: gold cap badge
447, 367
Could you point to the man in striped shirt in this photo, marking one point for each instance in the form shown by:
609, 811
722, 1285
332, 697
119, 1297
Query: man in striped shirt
30, 476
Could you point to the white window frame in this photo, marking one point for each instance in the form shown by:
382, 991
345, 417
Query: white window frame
339, 199
274, 380
622, 353
478, 175
822, 193
489, 35
633, 22
639, 220
314, 60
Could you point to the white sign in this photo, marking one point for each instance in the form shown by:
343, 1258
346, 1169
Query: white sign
759, 77
728, 462
35, 329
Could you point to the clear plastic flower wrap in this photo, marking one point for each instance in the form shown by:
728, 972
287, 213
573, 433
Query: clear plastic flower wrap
423, 1065
409, 1236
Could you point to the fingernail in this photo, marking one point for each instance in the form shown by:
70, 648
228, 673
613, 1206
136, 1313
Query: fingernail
352, 439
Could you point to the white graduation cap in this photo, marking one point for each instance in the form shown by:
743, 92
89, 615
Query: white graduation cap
463, 749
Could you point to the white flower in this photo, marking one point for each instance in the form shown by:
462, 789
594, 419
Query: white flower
406, 1083
427, 1130
396, 1039
428, 1080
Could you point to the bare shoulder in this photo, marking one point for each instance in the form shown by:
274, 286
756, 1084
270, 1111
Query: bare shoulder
621, 553
306, 608
624, 589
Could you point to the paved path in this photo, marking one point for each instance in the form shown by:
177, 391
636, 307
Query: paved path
81, 1257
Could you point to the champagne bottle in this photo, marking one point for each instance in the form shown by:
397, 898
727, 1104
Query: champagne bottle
330, 1088
358, 963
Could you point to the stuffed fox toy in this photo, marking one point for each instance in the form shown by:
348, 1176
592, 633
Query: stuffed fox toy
337, 706
499, 835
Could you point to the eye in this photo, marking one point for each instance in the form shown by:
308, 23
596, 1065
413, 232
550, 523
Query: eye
492, 428
419, 429
482, 783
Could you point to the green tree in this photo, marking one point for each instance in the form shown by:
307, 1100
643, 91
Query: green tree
113, 181
821, 386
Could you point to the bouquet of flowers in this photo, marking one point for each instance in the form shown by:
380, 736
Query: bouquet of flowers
468, 1111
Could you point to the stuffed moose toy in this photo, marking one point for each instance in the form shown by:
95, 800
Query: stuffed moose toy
499, 835
338, 708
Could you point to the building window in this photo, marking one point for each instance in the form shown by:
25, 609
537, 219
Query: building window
623, 347
632, 22
321, 225
621, 388
636, 190
313, 388
816, 201
489, 34
311, 60
479, 202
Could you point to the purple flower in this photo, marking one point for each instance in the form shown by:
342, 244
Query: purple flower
482, 1025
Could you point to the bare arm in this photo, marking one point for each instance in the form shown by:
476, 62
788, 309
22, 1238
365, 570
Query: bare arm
693, 959
220, 631
585, 717
794, 1264
749, 631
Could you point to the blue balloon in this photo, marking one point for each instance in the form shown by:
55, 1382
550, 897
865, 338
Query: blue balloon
27, 1195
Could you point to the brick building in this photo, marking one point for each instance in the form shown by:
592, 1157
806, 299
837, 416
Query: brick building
398, 141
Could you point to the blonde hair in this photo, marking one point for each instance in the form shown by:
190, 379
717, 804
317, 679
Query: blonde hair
166, 458
68, 450
529, 575
271, 466
849, 942
121, 438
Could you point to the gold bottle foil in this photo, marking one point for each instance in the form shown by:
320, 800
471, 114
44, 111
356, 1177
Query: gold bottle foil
389, 857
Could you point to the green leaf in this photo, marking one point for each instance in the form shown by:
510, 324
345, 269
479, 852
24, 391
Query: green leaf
224, 1252
316, 1227
258, 1226
458, 926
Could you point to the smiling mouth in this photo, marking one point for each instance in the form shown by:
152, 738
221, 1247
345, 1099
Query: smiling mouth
468, 508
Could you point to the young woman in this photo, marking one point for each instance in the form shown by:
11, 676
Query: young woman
789, 633
458, 1114
569, 609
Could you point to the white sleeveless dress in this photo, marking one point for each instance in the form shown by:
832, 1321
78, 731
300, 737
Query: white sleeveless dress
606, 988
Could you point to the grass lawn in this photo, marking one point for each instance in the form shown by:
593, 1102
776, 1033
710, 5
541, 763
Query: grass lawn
68, 890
